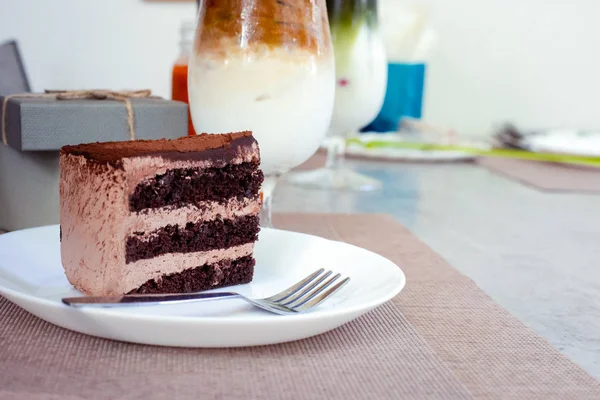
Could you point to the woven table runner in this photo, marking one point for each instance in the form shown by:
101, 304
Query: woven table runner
546, 176
441, 338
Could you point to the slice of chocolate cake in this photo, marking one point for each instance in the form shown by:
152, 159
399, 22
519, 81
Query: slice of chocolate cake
160, 216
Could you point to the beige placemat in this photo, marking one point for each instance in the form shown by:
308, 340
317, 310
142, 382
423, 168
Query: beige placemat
546, 176
441, 338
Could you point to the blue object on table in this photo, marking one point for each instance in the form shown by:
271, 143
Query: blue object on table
403, 97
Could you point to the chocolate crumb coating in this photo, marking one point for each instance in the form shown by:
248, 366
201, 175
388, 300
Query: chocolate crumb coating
190, 147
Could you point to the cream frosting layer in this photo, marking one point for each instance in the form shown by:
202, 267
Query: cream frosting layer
139, 272
92, 206
150, 220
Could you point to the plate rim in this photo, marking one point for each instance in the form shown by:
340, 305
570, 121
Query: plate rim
267, 318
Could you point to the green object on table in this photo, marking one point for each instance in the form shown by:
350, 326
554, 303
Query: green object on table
505, 153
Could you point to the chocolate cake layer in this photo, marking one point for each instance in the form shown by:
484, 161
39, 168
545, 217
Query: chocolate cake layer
179, 187
201, 147
208, 276
202, 236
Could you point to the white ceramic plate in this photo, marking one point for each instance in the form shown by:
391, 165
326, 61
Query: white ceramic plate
399, 154
409, 155
32, 277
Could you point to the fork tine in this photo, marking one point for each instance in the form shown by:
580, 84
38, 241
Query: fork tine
294, 288
299, 301
318, 300
301, 293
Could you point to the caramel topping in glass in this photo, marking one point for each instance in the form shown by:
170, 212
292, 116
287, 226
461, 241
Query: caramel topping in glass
275, 23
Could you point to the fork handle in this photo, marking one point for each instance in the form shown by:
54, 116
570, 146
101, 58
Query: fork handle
133, 300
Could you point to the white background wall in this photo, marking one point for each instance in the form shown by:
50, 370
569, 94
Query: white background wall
533, 62
96, 43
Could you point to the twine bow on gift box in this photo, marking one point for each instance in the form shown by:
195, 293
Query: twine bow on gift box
98, 94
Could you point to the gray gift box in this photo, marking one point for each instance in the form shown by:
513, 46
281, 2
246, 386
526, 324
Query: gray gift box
43, 124
36, 129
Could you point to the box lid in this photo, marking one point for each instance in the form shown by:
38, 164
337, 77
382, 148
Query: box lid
41, 124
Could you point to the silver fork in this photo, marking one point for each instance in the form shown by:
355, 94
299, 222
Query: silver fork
299, 298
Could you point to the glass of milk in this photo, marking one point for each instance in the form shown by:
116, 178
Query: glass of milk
361, 81
265, 66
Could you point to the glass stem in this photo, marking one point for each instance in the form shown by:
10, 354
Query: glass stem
335, 152
266, 212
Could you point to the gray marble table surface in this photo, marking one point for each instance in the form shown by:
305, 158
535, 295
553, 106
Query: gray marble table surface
535, 253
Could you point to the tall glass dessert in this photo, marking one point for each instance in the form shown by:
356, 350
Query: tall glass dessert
361, 80
265, 66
